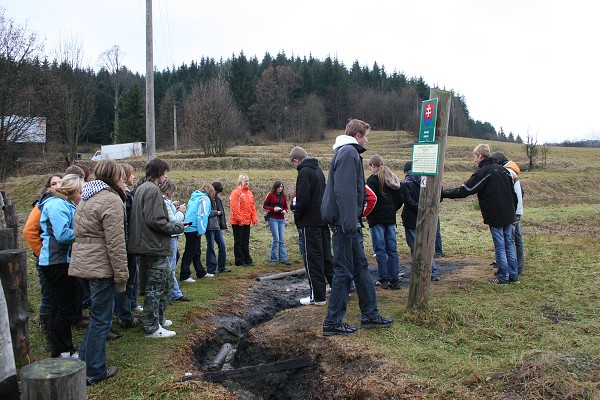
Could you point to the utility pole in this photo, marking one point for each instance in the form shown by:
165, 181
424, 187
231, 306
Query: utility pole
150, 123
175, 126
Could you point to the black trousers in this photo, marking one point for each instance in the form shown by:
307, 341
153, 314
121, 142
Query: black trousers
63, 289
191, 255
318, 260
241, 244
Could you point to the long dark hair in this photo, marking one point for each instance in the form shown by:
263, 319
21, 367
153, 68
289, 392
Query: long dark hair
276, 186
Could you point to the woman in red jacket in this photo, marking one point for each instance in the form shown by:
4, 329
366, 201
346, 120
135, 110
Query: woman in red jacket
243, 213
276, 206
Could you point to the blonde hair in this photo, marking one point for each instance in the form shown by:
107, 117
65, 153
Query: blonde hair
209, 189
68, 187
482, 149
355, 126
384, 173
128, 170
241, 179
109, 171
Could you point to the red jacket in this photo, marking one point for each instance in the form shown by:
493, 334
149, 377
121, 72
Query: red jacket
271, 202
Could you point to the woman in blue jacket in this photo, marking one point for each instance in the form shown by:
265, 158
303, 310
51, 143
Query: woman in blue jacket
197, 212
56, 222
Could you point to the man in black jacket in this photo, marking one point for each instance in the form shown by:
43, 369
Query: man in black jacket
314, 233
497, 201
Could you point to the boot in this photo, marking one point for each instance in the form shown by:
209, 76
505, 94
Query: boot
45, 326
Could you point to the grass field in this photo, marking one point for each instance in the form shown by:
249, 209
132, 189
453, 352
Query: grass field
539, 340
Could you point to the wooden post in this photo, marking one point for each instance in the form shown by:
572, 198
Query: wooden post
54, 379
13, 273
427, 217
9, 385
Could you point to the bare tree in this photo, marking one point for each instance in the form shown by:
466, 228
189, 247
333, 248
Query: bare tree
531, 148
75, 90
545, 150
212, 119
308, 119
18, 49
110, 60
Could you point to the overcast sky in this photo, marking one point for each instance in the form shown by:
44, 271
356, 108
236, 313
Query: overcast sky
523, 65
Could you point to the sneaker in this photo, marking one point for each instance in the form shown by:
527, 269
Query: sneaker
182, 298
110, 371
135, 323
498, 281
161, 333
207, 275
113, 334
307, 301
394, 285
382, 283
138, 308
435, 278
514, 281
341, 329
189, 280
286, 263
225, 270
377, 322
69, 354
167, 322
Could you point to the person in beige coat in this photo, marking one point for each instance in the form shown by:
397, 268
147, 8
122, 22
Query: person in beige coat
99, 260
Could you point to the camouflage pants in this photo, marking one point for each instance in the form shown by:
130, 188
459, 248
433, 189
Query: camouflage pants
159, 283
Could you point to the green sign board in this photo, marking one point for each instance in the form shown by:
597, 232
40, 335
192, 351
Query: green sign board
428, 119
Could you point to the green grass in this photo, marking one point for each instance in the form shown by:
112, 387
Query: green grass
474, 339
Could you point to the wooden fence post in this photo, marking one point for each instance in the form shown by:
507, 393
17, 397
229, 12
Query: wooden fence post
54, 379
9, 385
427, 217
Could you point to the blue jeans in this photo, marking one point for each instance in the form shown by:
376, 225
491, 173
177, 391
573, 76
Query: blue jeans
277, 227
175, 292
504, 253
384, 246
349, 263
93, 348
410, 241
212, 264
519, 244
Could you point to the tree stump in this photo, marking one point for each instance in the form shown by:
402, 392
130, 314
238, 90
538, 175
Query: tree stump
13, 271
54, 379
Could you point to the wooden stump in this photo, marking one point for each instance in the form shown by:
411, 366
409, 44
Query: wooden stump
13, 271
54, 379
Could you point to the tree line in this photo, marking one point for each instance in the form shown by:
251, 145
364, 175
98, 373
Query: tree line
216, 104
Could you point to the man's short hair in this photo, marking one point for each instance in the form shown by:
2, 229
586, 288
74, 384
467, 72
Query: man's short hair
499, 157
408, 166
482, 149
355, 126
298, 153
155, 168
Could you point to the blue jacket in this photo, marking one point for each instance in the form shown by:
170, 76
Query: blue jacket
58, 231
197, 212
344, 196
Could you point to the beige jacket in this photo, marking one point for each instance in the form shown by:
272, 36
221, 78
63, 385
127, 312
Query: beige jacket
99, 246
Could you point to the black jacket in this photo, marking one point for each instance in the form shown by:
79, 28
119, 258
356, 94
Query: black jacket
411, 190
310, 185
494, 188
387, 205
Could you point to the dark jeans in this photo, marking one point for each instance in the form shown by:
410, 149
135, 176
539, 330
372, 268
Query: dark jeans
519, 244
241, 244
123, 301
212, 264
46, 301
191, 255
318, 260
349, 263
410, 241
439, 250
63, 289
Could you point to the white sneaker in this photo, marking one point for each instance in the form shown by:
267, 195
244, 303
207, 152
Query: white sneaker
68, 354
209, 275
139, 308
328, 289
161, 333
189, 280
167, 322
306, 301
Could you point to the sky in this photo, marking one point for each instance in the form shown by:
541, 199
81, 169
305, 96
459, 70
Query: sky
526, 66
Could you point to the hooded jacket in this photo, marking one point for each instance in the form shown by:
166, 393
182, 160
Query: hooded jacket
56, 222
197, 212
243, 207
32, 231
99, 246
494, 188
310, 186
388, 203
344, 196
149, 227
410, 189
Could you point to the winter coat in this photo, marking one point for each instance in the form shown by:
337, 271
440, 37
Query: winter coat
344, 197
197, 212
410, 189
388, 203
149, 227
271, 201
494, 188
220, 207
214, 217
174, 214
56, 222
243, 207
99, 246
310, 186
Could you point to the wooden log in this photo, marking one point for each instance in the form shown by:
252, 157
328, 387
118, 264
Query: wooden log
220, 358
245, 372
8, 240
54, 379
12, 218
427, 216
13, 273
281, 275
9, 385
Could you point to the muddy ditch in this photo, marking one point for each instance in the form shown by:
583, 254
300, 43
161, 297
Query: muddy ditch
266, 324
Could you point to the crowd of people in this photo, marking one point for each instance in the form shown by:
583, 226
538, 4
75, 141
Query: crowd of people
101, 242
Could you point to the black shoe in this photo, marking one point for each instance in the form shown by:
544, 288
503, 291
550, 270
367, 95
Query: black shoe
394, 285
377, 322
435, 278
110, 371
286, 263
182, 298
113, 334
225, 270
341, 329
134, 323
